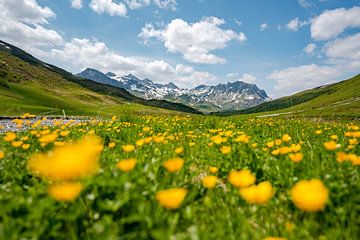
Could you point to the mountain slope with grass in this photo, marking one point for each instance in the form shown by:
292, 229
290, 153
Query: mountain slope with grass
339, 99
28, 84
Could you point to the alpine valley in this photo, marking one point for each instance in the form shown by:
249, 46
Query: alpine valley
222, 97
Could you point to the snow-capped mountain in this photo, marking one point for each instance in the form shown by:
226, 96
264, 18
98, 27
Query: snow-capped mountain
229, 96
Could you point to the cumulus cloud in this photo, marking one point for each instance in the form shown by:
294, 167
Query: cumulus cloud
77, 4
136, 4
248, 78
108, 6
27, 11
346, 48
294, 79
83, 53
22, 24
195, 41
331, 23
263, 26
166, 4
310, 49
295, 24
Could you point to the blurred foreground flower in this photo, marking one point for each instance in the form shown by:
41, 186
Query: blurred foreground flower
241, 178
65, 191
126, 165
310, 195
174, 164
257, 194
68, 162
171, 198
209, 181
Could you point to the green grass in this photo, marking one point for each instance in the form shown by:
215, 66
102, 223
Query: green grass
118, 205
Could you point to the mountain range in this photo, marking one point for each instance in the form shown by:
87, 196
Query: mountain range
222, 97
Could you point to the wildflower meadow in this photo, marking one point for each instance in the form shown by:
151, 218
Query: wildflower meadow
180, 177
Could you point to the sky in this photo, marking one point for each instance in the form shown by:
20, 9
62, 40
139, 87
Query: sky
282, 46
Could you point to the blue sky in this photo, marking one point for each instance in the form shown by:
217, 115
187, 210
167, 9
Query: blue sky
284, 46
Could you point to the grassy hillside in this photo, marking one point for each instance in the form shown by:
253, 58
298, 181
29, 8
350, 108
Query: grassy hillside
339, 99
28, 84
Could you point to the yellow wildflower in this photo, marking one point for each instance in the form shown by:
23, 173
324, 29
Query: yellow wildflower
171, 198
2, 154
146, 129
296, 157
179, 150
68, 162
64, 133
270, 144
310, 195
209, 181
126, 165
159, 139
174, 164
331, 145
48, 138
353, 141
225, 149
9, 137
257, 194
17, 144
243, 138
111, 144
317, 132
213, 170
128, 148
286, 138
65, 191
140, 142
242, 178
25, 146
275, 152
278, 142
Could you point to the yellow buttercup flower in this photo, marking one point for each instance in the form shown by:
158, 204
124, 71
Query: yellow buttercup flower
171, 198
286, 138
65, 191
16, 144
174, 164
68, 162
48, 138
310, 195
25, 146
179, 150
140, 142
159, 139
243, 139
331, 145
257, 194
242, 178
128, 148
64, 133
2, 154
225, 149
111, 144
126, 165
296, 157
270, 144
209, 181
213, 170
317, 132
9, 137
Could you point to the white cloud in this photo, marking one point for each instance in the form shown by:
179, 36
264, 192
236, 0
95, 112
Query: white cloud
108, 6
195, 41
304, 3
166, 4
27, 11
248, 78
21, 24
232, 75
347, 48
77, 4
295, 24
238, 22
331, 23
82, 53
310, 49
263, 26
136, 4
294, 79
